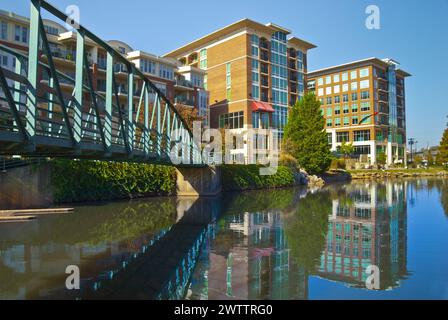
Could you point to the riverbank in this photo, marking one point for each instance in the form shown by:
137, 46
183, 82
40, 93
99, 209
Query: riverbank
397, 173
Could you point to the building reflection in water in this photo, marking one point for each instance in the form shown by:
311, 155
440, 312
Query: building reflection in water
368, 226
255, 245
252, 254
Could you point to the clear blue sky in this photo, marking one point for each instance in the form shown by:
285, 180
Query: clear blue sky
412, 32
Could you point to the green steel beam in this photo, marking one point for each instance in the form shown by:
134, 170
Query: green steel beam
109, 95
147, 135
123, 125
33, 63
12, 105
57, 86
130, 115
94, 102
79, 82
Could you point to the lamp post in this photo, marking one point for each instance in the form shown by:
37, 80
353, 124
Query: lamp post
412, 142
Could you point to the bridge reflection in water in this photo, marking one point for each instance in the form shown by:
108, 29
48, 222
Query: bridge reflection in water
255, 245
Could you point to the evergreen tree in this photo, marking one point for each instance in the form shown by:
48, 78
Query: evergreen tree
442, 156
305, 137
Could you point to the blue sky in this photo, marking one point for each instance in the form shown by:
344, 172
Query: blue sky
412, 32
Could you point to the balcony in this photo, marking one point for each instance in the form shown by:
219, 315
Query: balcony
292, 65
64, 54
264, 68
264, 44
264, 56
179, 82
264, 81
183, 100
102, 63
120, 68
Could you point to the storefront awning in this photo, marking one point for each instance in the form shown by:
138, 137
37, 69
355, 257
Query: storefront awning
261, 106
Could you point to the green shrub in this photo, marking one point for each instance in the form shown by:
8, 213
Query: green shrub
75, 181
337, 164
247, 177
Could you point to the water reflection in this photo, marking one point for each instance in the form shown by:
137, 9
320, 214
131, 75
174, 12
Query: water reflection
367, 226
254, 245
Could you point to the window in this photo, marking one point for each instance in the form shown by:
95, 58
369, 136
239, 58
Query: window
337, 89
345, 109
362, 135
355, 120
342, 136
329, 112
353, 74
254, 51
228, 76
320, 92
330, 138
255, 92
354, 96
329, 100
354, 86
345, 97
364, 73
365, 95
345, 76
4, 60
362, 150
320, 81
365, 106
4, 30
328, 80
336, 78
345, 87
234, 120
329, 122
17, 33
364, 84
337, 99
346, 121
328, 90
337, 122
337, 110
354, 107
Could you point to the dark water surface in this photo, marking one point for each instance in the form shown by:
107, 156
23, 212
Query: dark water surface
281, 244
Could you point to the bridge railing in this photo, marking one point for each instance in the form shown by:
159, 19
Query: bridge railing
46, 108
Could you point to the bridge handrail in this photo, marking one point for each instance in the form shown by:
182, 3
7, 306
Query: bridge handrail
130, 66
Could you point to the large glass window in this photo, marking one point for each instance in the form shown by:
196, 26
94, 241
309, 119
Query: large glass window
345, 108
329, 111
354, 96
354, 86
328, 80
337, 110
364, 73
353, 74
361, 135
4, 30
336, 78
365, 106
320, 81
234, 120
342, 136
345, 87
345, 76
337, 122
364, 84
355, 120
346, 121
365, 95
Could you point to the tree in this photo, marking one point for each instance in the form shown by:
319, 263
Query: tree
442, 156
381, 158
305, 135
346, 149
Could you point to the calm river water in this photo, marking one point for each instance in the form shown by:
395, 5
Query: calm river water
281, 244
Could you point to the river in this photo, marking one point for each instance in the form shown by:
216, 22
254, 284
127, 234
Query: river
271, 244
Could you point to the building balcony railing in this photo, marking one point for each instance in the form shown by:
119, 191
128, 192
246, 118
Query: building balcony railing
264, 56
264, 69
183, 83
64, 54
264, 44
184, 101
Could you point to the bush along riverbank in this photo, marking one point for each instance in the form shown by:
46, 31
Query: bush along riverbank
247, 177
83, 181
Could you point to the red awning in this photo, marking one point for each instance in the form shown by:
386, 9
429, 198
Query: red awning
261, 106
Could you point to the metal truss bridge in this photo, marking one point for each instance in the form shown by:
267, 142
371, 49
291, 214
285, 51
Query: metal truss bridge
40, 117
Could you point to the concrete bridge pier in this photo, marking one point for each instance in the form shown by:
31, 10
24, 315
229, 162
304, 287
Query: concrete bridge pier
197, 182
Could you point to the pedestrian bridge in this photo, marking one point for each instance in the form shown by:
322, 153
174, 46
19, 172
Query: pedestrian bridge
40, 117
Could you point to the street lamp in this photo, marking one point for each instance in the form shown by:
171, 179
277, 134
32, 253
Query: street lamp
412, 142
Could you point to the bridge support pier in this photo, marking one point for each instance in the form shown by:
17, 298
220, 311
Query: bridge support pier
199, 181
